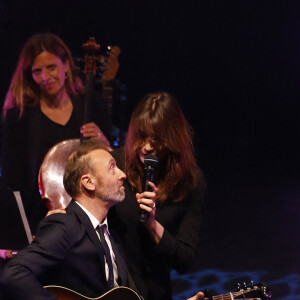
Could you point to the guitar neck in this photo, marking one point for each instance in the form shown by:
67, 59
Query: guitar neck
230, 296
221, 297
108, 91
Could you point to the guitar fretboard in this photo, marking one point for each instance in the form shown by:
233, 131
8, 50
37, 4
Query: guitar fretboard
223, 297
230, 296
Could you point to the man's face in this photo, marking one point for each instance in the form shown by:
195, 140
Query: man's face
110, 179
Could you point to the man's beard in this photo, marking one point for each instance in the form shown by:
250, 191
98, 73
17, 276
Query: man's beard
107, 196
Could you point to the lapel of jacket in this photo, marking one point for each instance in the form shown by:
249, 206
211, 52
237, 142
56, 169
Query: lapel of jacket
91, 232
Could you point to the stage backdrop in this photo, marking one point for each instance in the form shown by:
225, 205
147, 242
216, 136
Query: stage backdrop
234, 67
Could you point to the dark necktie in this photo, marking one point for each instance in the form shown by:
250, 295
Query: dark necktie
101, 230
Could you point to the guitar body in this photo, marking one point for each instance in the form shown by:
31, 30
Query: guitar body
51, 174
258, 292
122, 292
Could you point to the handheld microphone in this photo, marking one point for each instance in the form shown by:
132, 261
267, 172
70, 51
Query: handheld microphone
150, 163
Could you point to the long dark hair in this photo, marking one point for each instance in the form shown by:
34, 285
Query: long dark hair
23, 91
158, 117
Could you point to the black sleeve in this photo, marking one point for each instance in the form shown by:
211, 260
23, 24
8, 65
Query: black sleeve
20, 276
14, 147
182, 248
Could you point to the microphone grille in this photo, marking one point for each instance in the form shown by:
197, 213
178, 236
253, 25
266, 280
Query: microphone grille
151, 160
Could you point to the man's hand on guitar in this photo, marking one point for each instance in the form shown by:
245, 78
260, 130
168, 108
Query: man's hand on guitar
198, 296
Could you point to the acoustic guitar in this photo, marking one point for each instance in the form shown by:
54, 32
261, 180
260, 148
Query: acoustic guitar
121, 292
257, 292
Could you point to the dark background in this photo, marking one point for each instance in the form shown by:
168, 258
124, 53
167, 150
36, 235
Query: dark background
234, 67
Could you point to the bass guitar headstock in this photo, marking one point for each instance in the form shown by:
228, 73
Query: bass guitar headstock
90, 48
111, 63
102, 62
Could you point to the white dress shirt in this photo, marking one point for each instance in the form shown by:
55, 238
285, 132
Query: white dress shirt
96, 223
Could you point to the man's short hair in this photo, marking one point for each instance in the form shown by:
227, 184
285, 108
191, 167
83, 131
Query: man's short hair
79, 164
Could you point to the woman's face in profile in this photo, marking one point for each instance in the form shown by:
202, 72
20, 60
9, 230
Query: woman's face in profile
49, 73
151, 146
145, 149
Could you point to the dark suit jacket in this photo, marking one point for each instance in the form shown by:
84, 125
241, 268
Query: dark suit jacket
65, 252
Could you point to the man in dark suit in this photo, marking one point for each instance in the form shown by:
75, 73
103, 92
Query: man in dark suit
67, 250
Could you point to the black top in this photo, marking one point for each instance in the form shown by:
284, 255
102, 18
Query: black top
27, 140
150, 264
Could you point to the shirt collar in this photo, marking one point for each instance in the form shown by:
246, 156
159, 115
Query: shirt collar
93, 219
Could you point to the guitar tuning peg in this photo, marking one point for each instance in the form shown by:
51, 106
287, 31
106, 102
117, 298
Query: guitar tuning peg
237, 286
251, 284
267, 291
244, 285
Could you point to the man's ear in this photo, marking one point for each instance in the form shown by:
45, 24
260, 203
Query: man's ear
88, 181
